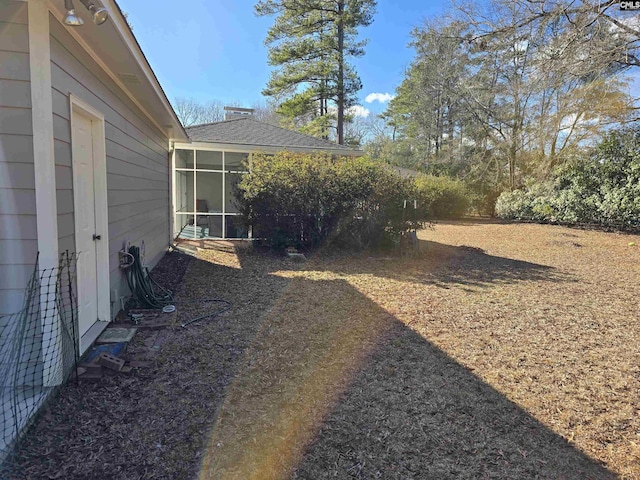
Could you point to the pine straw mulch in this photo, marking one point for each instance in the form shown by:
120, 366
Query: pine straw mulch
500, 351
153, 423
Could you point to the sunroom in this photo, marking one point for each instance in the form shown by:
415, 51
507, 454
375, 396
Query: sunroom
206, 169
204, 198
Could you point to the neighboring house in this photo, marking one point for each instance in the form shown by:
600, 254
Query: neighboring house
85, 138
206, 168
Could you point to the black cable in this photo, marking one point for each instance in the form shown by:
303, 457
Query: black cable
227, 306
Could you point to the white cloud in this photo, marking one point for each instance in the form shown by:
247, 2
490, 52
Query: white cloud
356, 111
380, 97
359, 111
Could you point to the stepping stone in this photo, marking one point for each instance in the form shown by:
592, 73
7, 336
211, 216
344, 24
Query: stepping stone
116, 335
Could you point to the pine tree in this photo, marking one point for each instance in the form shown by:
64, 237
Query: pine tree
310, 44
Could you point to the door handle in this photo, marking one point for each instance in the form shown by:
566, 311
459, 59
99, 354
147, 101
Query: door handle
96, 237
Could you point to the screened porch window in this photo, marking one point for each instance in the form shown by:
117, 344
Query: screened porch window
205, 205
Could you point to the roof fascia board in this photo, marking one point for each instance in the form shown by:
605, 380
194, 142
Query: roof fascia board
127, 36
240, 148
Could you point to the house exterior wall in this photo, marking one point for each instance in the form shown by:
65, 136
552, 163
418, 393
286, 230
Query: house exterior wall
137, 159
18, 230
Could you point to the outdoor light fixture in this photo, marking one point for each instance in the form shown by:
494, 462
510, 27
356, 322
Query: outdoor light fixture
71, 18
99, 14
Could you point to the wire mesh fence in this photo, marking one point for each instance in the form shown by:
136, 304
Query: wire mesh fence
38, 349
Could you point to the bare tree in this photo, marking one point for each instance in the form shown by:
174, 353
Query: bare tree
554, 64
360, 131
607, 38
212, 111
187, 110
191, 112
499, 93
266, 112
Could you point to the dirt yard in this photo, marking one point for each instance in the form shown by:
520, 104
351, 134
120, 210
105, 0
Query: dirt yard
499, 351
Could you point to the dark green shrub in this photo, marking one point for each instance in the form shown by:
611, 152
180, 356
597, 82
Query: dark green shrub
483, 199
382, 212
308, 199
602, 189
443, 197
533, 203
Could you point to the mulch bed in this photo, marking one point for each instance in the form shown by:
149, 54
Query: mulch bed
153, 423
498, 351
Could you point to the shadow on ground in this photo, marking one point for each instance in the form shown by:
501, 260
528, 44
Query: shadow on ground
336, 387
411, 411
153, 423
304, 378
443, 265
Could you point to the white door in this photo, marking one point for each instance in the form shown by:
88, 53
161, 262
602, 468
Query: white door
85, 219
90, 218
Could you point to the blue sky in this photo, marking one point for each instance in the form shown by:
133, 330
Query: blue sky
214, 49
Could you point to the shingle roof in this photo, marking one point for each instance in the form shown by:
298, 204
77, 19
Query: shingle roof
247, 131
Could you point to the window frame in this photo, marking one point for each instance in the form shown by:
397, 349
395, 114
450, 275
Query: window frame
224, 171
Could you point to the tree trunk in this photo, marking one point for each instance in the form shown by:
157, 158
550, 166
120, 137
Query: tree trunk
340, 72
513, 149
512, 165
515, 132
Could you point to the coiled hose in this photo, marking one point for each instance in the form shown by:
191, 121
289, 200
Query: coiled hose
146, 291
149, 294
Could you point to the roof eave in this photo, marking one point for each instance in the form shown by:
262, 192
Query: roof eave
240, 147
126, 34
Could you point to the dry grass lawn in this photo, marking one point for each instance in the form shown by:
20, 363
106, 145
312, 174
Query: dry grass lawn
500, 351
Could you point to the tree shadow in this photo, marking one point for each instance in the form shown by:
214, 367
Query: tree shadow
336, 387
414, 412
444, 265
305, 377
472, 221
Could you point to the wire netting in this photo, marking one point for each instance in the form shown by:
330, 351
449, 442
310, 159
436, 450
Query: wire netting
38, 349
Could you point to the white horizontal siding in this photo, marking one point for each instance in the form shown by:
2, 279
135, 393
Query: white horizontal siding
14, 66
16, 175
155, 245
18, 230
14, 201
128, 197
15, 121
137, 157
12, 299
14, 277
16, 148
